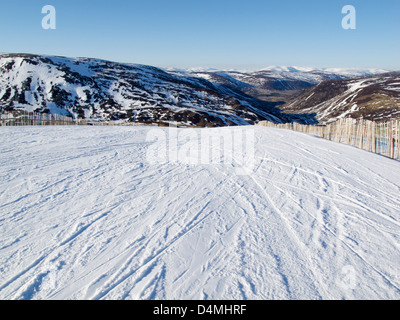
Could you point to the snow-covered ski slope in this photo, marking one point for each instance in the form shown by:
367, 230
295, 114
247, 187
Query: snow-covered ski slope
93, 213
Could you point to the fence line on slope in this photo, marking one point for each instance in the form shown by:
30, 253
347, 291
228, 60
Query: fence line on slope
378, 137
25, 118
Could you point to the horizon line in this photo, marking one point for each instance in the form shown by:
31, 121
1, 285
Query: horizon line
209, 68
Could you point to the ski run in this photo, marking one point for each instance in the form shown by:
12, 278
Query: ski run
134, 212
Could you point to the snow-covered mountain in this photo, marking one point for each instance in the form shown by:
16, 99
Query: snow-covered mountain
91, 213
99, 90
374, 98
102, 90
277, 84
345, 72
279, 78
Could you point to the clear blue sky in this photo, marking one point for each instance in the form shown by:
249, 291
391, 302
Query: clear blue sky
208, 33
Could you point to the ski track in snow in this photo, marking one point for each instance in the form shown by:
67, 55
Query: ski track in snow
84, 215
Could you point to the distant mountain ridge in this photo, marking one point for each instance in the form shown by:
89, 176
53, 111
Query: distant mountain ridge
277, 83
348, 72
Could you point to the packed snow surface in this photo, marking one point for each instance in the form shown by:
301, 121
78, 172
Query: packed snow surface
132, 213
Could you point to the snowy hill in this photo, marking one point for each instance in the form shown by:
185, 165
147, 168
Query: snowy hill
374, 98
99, 90
140, 213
